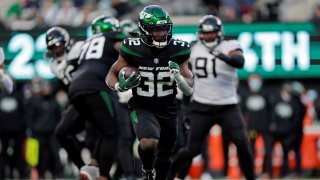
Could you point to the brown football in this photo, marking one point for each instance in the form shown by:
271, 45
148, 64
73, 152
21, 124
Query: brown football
128, 70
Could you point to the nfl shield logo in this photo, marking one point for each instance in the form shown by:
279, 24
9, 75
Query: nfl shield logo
156, 60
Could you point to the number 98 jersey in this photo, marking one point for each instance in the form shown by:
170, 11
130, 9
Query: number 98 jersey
156, 85
96, 58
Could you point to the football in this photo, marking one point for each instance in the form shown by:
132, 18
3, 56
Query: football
128, 70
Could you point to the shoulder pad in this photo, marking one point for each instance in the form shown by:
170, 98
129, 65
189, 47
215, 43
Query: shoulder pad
130, 46
227, 46
233, 44
75, 50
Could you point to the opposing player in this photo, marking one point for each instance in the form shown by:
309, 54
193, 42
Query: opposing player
88, 91
6, 83
215, 63
64, 56
163, 65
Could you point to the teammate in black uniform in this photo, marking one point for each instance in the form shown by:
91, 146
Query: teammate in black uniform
160, 60
88, 91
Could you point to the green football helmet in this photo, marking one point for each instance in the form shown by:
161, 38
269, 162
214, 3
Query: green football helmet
155, 26
129, 27
104, 23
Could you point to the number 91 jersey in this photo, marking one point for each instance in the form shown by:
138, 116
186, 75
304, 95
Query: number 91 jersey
156, 85
215, 82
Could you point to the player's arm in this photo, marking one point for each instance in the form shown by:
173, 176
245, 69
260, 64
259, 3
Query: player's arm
234, 58
119, 83
183, 76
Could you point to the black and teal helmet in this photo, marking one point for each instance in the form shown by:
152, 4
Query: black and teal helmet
153, 19
104, 23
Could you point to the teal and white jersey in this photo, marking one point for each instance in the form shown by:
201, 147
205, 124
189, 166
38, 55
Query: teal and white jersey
215, 82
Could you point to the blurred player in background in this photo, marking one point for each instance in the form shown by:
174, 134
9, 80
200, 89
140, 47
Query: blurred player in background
64, 55
215, 62
153, 110
6, 83
89, 93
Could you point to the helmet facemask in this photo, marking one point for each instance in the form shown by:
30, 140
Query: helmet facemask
210, 31
58, 42
157, 35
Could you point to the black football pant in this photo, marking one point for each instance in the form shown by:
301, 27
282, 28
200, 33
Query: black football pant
202, 118
99, 109
125, 142
159, 123
71, 123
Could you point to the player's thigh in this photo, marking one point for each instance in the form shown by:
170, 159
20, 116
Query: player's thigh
144, 123
232, 123
168, 135
99, 109
71, 122
200, 123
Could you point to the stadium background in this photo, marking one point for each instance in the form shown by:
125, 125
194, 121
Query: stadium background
281, 45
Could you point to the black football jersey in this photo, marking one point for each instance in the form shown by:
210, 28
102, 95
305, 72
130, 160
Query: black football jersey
96, 58
156, 85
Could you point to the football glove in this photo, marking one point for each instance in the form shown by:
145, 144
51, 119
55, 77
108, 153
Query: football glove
174, 69
126, 84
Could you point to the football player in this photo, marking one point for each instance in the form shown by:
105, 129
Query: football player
64, 56
88, 92
215, 62
163, 65
6, 83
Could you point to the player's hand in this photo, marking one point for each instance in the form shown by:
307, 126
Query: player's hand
174, 69
126, 84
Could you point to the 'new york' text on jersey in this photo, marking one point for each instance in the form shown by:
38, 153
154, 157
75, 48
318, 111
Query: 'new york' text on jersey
156, 86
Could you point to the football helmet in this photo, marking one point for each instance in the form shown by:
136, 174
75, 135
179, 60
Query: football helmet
210, 31
155, 26
58, 42
104, 23
129, 27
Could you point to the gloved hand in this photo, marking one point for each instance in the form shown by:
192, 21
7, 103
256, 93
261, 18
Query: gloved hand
126, 84
174, 70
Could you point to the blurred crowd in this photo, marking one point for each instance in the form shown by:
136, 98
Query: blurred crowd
30, 14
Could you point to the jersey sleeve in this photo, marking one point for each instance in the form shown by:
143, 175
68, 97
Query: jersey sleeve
127, 49
182, 52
